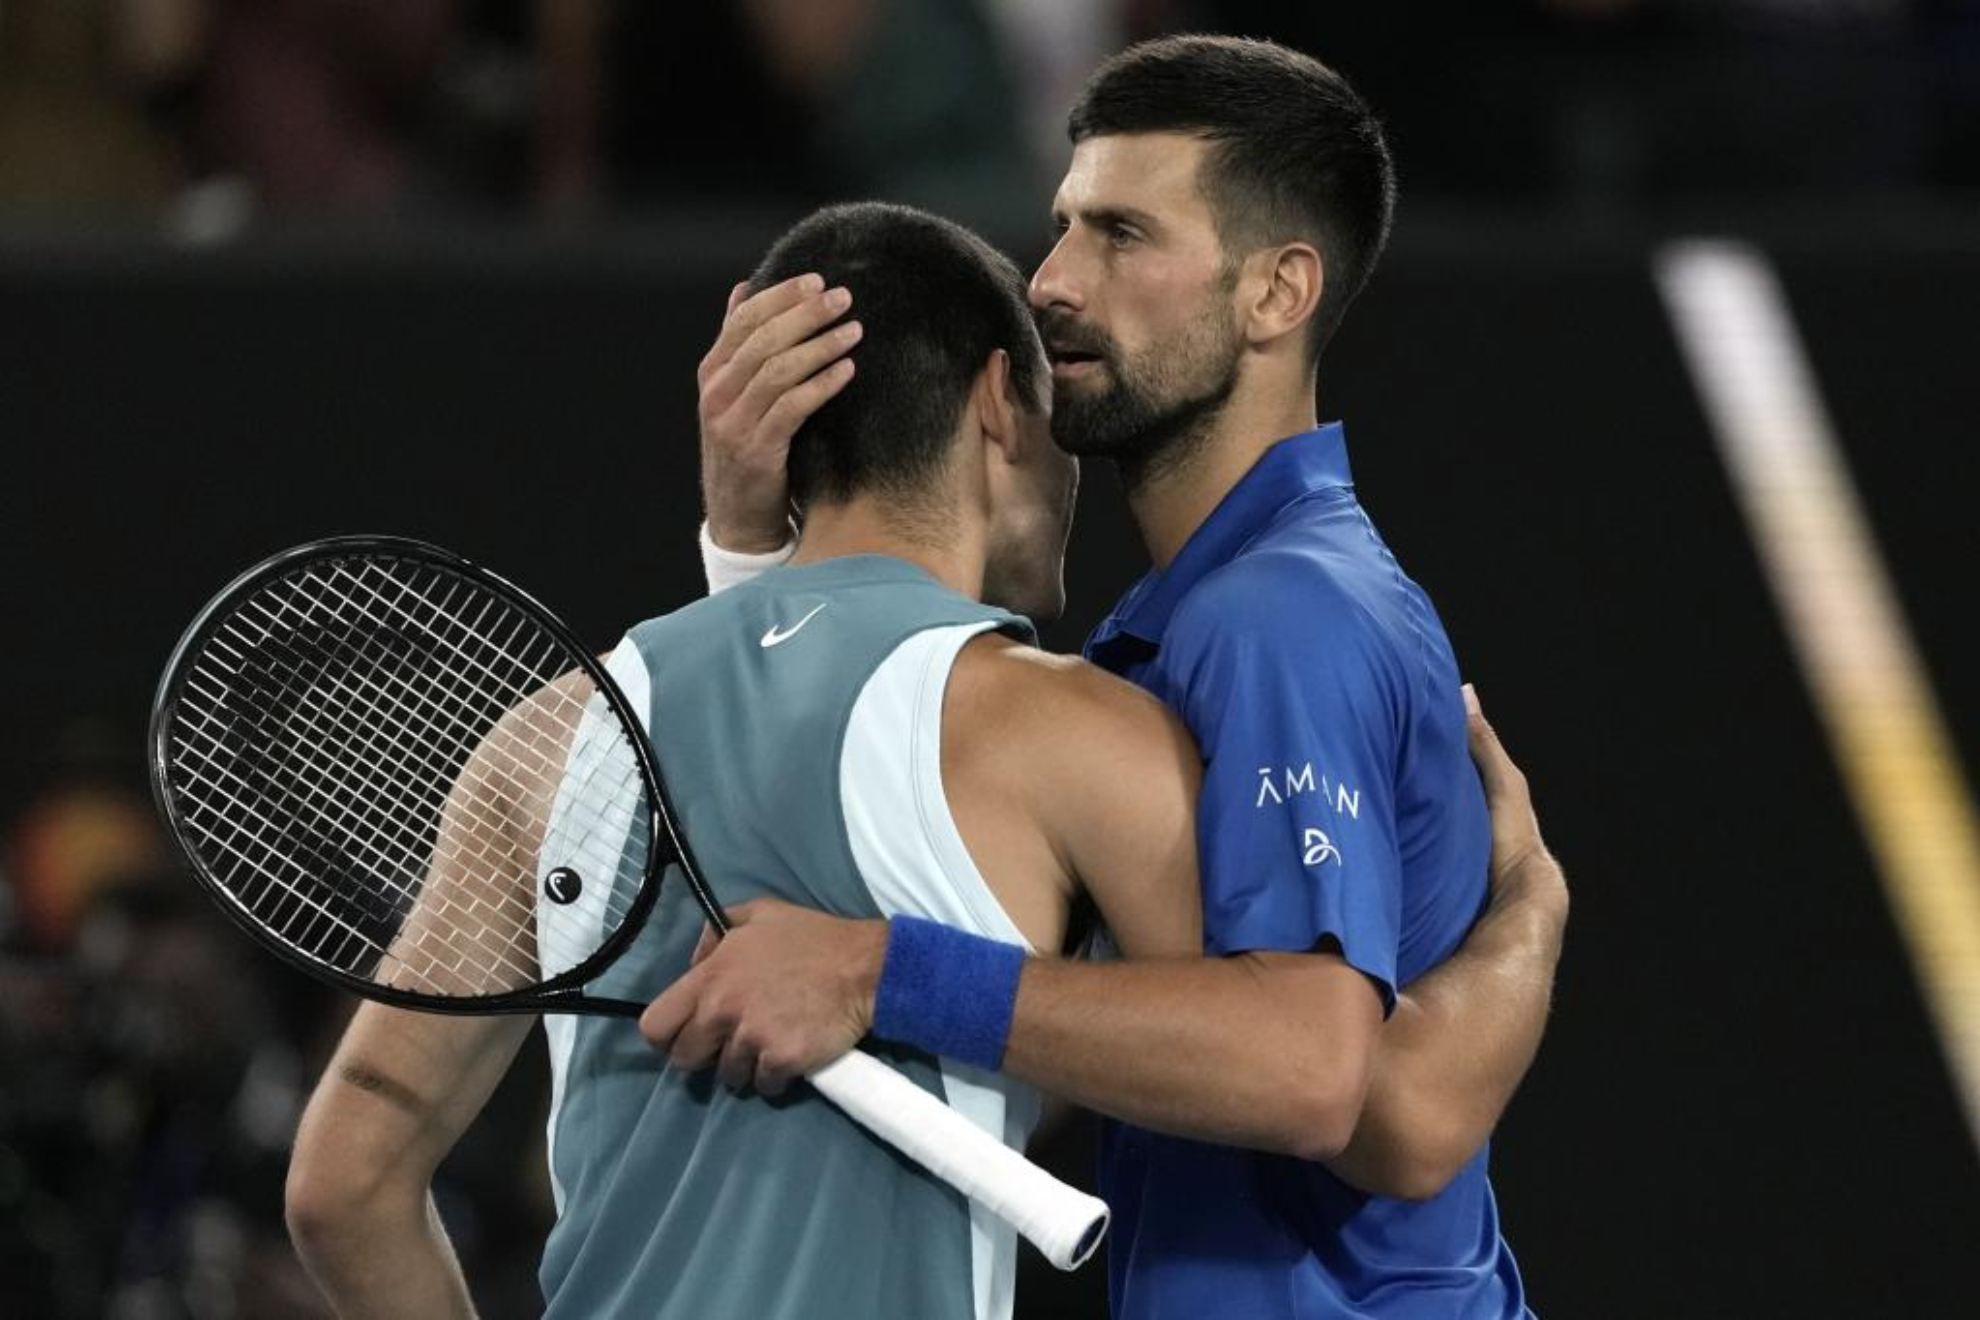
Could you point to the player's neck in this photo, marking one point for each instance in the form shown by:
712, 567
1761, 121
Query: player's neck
1169, 504
941, 546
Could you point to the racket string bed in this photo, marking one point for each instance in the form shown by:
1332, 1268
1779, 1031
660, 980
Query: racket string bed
371, 834
391, 699
366, 835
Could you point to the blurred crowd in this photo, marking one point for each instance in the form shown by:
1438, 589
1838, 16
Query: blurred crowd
212, 114
156, 1063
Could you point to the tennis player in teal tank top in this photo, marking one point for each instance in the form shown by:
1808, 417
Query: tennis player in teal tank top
755, 724
856, 733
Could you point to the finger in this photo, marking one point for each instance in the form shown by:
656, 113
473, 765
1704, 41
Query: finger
784, 331
707, 944
795, 405
796, 365
772, 1080
737, 1068
664, 1017
752, 312
741, 914
698, 1043
736, 296
1495, 768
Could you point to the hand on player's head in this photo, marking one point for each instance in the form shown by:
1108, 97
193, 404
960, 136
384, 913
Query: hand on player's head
769, 370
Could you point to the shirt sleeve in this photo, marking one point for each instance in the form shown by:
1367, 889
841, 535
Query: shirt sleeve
732, 568
1294, 697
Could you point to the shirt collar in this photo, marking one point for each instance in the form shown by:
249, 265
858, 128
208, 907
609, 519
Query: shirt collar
1295, 467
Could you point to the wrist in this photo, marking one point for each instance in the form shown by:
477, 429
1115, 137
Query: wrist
725, 567
750, 536
946, 991
868, 961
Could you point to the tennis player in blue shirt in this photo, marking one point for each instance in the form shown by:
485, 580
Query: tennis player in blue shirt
1226, 201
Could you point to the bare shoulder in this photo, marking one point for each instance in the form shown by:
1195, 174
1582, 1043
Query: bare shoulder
1092, 755
1104, 770
1030, 697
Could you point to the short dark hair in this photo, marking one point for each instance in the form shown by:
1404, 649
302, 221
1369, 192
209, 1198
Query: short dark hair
1295, 152
934, 302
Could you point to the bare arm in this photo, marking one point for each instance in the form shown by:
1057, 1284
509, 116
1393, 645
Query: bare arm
1463, 1035
1265, 1050
1280, 1052
403, 1086
399, 1091
1268, 1051
1038, 752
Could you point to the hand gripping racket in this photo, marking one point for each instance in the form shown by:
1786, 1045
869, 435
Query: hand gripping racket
407, 778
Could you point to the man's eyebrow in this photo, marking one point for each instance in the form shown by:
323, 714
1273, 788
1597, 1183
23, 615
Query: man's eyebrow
1102, 216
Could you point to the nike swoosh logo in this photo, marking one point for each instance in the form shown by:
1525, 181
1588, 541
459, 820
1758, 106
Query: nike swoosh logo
777, 636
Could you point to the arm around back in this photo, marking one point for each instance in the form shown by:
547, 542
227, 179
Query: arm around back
1263, 1050
1464, 1035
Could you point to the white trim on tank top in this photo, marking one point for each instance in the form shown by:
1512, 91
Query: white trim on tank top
567, 927
914, 861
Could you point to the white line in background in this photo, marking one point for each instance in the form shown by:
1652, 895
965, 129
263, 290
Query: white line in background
1855, 651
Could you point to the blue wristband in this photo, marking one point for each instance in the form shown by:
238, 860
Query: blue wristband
946, 991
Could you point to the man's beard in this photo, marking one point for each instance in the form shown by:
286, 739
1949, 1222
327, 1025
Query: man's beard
1153, 413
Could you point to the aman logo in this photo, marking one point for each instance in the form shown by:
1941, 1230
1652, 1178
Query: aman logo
1277, 784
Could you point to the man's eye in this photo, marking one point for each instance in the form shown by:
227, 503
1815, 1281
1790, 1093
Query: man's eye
1059, 226
1120, 235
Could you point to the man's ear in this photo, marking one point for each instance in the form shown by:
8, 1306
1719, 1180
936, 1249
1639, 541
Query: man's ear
1284, 285
995, 402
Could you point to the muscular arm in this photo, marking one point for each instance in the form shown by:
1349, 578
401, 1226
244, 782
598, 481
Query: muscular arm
1268, 1051
1284, 1052
1463, 1036
1260, 1050
1053, 767
1265, 1050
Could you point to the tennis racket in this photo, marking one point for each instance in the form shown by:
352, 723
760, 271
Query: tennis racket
408, 779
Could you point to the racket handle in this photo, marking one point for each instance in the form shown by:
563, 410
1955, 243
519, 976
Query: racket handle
1061, 1221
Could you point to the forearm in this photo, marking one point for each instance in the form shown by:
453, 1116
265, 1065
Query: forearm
399, 1091
1261, 1051
387, 1255
1460, 1041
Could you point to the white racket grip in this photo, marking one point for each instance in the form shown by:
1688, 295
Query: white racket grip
1061, 1221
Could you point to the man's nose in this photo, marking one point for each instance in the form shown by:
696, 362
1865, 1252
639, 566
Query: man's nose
1054, 285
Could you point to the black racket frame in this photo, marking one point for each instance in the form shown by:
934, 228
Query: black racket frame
562, 993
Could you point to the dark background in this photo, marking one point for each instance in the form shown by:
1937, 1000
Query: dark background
1741, 1108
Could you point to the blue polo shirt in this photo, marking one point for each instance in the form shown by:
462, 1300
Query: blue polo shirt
1340, 811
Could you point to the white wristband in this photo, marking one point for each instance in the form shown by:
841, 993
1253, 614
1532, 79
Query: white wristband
732, 568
